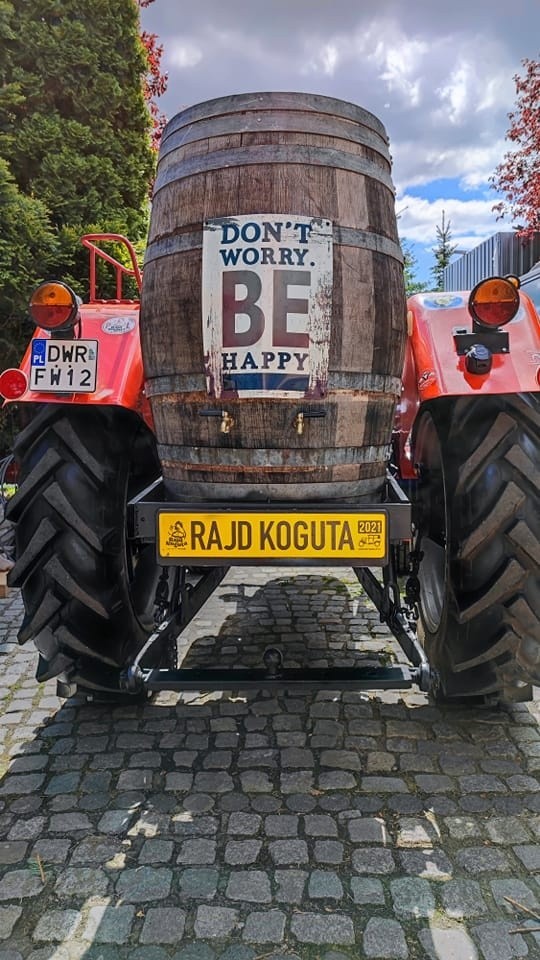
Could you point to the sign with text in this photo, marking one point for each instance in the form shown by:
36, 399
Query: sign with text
267, 305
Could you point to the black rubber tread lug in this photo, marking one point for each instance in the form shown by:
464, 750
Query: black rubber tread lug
48, 669
517, 457
33, 484
68, 641
55, 496
524, 540
506, 586
501, 429
35, 429
57, 571
503, 646
74, 443
41, 540
502, 513
35, 623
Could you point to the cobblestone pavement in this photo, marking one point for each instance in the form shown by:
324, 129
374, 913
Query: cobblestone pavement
240, 826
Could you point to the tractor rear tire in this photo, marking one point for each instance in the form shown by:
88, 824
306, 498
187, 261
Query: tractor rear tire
477, 516
88, 593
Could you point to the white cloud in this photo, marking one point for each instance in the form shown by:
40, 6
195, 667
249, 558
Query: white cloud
471, 221
183, 54
440, 76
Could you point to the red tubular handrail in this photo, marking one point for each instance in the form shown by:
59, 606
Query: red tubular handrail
90, 241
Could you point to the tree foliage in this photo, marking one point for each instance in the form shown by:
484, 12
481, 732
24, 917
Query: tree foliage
410, 265
78, 84
518, 175
443, 252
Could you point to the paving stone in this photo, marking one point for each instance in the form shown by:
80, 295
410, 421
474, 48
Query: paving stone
51, 851
506, 830
135, 780
328, 851
12, 851
482, 859
384, 938
481, 783
24, 783
239, 951
156, 851
200, 883
197, 851
373, 860
322, 928
256, 781
19, 884
412, 897
112, 821
429, 864
239, 852
195, 951
384, 785
70, 823
290, 885
529, 855
215, 922
267, 927
109, 924
163, 925
367, 830
340, 760
463, 899
240, 823
300, 781
366, 890
216, 782
253, 886
57, 925
288, 851
497, 943
27, 829
518, 891
320, 825
452, 943
284, 825
325, 884
463, 828
8, 919
144, 883
179, 782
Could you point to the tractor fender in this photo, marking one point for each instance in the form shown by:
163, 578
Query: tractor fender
433, 368
120, 374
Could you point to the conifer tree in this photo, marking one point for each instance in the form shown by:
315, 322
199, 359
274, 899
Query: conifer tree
443, 252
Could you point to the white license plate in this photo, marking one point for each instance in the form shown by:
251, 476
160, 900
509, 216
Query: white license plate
63, 366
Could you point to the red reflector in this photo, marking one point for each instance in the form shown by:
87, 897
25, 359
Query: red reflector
51, 317
13, 383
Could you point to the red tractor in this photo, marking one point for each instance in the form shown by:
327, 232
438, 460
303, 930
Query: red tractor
121, 536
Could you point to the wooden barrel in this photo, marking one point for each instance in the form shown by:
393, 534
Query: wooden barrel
225, 166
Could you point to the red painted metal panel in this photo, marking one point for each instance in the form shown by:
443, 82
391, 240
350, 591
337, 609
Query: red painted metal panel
120, 377
433, 368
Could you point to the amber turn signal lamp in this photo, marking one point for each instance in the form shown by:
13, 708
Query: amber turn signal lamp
494, 302
54, 306
13, 383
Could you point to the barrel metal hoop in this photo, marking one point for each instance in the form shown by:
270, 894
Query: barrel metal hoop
240, 103
376, 383
255, 458
164, 246
267, 154
271, 121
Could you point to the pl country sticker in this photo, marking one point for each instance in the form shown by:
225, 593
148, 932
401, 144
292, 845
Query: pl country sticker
118, 325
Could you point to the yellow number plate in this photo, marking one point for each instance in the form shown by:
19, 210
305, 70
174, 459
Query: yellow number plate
247, 535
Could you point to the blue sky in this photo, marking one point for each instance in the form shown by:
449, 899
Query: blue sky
439, 76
